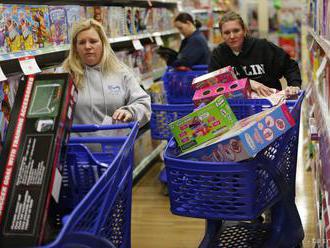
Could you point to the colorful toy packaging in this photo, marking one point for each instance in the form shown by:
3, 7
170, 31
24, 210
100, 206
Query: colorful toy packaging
235, 89
223, 75
246, 138
203, 124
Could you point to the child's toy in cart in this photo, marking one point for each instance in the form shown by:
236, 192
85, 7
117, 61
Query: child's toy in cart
177, 83
203, 124
235, 89
246, 138
240, 192
223, 75
97, 190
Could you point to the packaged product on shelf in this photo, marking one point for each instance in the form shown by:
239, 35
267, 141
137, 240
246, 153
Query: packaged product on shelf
73, 15
12, 29
98, 13
129, 21
116, 21
3, 49
246, 138
235, 89
24, 20
58, 25
29, 166
223, 75
40, 26
203, 124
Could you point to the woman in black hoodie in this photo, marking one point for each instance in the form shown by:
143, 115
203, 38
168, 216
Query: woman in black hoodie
257, 59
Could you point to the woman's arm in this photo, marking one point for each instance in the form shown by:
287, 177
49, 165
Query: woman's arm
138, 102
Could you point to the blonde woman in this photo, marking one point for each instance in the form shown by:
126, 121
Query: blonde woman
106, 87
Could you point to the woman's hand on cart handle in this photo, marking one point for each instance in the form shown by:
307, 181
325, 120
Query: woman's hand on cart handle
122, 115
261, 89
291, 91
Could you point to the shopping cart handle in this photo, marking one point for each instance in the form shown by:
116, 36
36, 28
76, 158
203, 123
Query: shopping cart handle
95, 127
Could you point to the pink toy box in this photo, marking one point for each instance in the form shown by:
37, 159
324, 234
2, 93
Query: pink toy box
246, 138
235, 89
223, 75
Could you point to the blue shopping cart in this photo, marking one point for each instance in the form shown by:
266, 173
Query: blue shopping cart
177, 83
97, 189
241, 192
163, 114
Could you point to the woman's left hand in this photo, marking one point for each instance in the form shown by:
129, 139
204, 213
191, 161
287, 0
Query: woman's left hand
122, 115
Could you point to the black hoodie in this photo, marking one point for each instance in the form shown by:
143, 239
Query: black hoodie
259, 60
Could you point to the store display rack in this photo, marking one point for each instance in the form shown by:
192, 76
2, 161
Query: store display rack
53, 56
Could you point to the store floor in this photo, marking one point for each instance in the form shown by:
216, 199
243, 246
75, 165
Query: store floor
153, 225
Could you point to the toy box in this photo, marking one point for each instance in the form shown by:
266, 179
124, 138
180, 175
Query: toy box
223, 75
29, 166
235, 89
203, 124
246, 138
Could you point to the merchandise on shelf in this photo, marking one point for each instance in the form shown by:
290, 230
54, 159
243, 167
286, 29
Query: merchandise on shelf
246, 138
38, 127
40, 26
74, 13
203, 124
58, 25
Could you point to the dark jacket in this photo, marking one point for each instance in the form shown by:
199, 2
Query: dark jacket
259, 60
193, 51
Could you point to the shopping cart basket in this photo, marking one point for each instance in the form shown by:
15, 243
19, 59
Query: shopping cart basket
163, 114
241, 192
97, 188
177, 83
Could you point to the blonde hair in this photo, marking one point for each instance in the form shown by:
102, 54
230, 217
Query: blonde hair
73, 64
232, 16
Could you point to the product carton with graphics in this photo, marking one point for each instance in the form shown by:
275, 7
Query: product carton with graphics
30, 171
203, 124
223, 75
246, 138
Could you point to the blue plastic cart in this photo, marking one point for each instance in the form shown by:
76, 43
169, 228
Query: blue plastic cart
97, 190
241, 192
177, 83
163, 114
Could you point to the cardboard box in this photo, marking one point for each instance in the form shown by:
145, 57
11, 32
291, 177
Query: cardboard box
235, 89
29, 166
223, 75
203, 124
246, 138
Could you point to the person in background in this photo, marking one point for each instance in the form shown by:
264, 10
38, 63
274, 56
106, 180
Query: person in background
257, 59
107, 89
194, 49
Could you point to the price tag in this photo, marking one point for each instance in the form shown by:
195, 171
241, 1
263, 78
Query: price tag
29, 65
2, 76
159, 40
137, 44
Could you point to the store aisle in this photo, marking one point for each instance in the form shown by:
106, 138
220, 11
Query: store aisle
154, 226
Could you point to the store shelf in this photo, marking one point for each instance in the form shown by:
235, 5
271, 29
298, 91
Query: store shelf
54, 55
323, 43
139, 3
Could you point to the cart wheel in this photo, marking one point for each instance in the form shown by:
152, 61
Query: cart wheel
164, 189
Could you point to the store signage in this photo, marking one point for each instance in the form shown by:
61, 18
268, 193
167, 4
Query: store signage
137, 44
29, 65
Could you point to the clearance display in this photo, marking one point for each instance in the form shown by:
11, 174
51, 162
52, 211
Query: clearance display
38, 127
